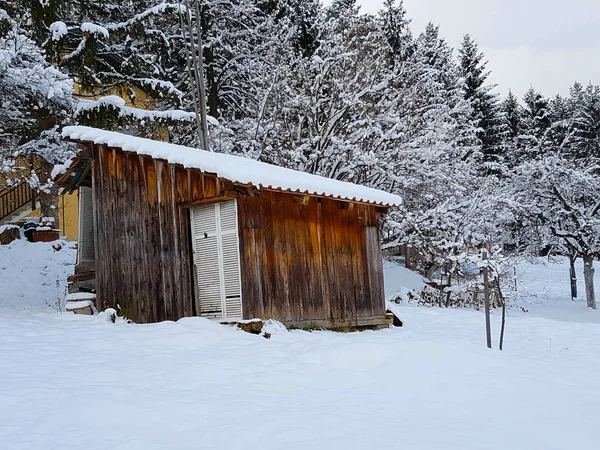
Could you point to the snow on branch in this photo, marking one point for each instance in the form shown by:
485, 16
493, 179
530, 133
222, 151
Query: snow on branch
156, 10
91, 28
127, 112
58, 30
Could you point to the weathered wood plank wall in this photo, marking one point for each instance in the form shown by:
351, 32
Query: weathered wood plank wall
310, 261
302, 259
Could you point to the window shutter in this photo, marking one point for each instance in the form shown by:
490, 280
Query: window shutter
86, 251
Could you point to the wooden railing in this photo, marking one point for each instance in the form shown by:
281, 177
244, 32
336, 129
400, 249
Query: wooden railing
15, 197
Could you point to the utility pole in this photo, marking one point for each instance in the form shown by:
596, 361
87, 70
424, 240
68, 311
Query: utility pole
196, 68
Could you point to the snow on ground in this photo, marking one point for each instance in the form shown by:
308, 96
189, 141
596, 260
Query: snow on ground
33, 276
544, 290
73, 382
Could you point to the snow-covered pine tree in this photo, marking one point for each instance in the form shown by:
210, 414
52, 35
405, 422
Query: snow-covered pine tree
395, 27
487, 114
583, 141
512, 116
535, 121
306, 19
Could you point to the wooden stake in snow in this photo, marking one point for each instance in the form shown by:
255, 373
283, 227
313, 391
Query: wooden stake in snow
503, 303
486, 296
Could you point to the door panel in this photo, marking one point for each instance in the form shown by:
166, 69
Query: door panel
217, 260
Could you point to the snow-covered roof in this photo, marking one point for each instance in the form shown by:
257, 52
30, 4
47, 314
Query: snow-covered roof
235, 168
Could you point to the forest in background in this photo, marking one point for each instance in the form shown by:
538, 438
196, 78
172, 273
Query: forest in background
322, 89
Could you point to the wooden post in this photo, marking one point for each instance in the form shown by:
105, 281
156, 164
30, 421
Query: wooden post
503, 303
486, 296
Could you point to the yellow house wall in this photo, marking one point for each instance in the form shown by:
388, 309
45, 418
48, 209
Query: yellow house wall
67, 215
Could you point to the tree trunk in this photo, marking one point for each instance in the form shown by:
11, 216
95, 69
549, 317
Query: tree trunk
588, 276
48, 197
49, 206
573, 276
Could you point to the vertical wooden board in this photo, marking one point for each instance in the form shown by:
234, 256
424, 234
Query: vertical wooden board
188, 296
99, 227
147, 290
153, 270
111, 244
281, 308
210, 186
325, 293
347, 227
297, 265
164, 263
195, 192
177, 251
313, 305
267, 256
134, 234
305, 261
248, 263
375, 265
180, 177
117, 238
336, 306
287, 230
122, 285
362, 295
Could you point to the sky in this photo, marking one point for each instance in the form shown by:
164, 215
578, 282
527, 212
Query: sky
547, 44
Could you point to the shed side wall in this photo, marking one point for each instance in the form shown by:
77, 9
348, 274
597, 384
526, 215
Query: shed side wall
315, 261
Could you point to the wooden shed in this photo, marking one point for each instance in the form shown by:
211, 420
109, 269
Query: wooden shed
176, 231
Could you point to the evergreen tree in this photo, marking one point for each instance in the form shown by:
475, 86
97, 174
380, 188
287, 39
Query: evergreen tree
535, 121
395, 27
584, 136
512, 116
306, 20
487, 114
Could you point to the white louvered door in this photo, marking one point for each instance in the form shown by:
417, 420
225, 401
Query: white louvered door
217, 260
86, 251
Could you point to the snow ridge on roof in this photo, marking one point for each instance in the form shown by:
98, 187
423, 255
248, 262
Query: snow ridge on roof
235, 168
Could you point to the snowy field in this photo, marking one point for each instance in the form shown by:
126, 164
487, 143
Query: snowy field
75, 382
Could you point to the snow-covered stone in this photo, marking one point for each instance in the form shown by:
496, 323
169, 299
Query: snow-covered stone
85, 307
